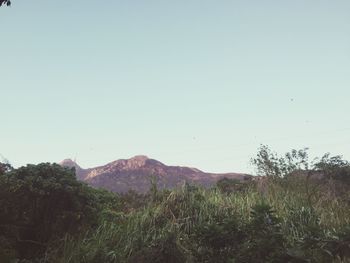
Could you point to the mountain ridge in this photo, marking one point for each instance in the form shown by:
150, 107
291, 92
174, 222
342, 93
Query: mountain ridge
135, 174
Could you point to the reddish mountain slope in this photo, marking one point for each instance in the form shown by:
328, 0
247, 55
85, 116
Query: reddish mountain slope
136, 173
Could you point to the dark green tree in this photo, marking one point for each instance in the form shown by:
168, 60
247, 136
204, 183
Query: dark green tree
40, 203
5, 2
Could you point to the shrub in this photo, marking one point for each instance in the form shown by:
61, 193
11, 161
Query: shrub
43, 202
218, 240
265, 241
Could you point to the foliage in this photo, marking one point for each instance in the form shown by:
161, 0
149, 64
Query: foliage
295, 219
265, 240
334, 167
5, 2
5, 167
191, 224
43, 202
270, 164
218, 240
226, 185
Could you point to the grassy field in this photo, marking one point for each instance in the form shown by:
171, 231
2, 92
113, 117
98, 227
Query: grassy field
269, 221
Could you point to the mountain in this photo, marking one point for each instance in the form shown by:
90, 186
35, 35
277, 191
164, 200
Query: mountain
80, 172
136, 174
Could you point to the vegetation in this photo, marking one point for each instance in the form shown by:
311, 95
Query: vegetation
299, 211
5, 2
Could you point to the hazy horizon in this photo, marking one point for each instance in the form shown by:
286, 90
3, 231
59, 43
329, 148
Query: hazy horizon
190, 83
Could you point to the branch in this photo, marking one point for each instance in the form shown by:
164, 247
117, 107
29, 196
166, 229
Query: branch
5, 2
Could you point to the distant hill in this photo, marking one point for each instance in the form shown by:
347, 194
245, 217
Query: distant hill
136, 173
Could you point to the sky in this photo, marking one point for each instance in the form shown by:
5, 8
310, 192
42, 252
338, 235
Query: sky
188, 82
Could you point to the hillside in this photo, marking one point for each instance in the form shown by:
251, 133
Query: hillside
136, 173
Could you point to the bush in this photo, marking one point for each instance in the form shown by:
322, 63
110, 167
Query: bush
265, 241
218, 240
43, 202
226, 185
164, 249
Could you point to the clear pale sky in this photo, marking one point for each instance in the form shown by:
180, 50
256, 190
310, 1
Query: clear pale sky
196, 83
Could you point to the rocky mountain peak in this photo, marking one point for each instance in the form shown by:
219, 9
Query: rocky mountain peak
136, 173
139, 158
69, 163
137, 161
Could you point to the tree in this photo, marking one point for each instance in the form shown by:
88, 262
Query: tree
4, 168
40, 203
334, 167
5, 2
269, 164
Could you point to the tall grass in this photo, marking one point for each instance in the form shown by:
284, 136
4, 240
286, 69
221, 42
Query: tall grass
165, 228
